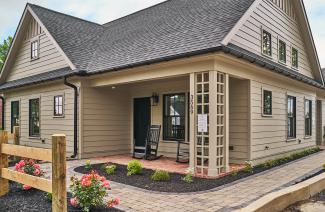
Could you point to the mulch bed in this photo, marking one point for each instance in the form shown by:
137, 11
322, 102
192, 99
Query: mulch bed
176, 184
33, 200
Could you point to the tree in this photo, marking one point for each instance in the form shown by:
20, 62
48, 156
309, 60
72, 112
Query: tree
4, 49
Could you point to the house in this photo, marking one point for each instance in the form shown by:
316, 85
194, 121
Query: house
239, 80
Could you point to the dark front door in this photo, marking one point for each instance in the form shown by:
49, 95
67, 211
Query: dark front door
141, 120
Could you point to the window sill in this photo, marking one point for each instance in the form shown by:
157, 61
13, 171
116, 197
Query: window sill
308, 137
291, 139
268, 56
33, 59
58, 117
282, 63
267, 116
35, 137
295, 68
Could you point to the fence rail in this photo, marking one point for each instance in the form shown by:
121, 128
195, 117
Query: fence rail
56, 155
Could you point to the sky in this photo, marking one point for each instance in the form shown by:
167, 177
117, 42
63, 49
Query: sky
102, 11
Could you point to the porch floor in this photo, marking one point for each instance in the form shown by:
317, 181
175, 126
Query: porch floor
163, 163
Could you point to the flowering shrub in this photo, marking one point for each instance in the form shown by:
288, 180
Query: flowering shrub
28, 166
89, 192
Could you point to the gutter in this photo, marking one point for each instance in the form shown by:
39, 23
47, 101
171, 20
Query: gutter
75, 117
3, 112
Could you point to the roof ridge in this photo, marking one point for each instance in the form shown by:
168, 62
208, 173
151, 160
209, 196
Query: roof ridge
61, 13
138, 11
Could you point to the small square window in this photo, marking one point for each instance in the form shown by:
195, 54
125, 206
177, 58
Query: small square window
34, 50
58, 106
282, 51
294, 57
267, 103
266, 43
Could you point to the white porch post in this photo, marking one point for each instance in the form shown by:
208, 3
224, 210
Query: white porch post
192, 125
226, 156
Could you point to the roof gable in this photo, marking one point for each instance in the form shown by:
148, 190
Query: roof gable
285, 20
29, 23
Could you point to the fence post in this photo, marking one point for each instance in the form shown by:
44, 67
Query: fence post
4, 183
59, 189
16, 140
16, 135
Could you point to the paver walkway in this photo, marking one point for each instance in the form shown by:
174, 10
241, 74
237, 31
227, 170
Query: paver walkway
226, 198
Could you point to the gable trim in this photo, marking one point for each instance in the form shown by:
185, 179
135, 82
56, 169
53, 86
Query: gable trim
311, 38
72, 66
240, 22
4, 73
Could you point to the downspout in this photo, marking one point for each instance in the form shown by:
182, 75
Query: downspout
75, 117
3, 112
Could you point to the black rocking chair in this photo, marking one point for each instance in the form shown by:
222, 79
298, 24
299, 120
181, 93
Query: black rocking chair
150, 150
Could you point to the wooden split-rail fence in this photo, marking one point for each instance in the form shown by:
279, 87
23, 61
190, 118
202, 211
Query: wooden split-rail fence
56, 155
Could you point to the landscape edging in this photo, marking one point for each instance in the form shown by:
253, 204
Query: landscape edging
280, 200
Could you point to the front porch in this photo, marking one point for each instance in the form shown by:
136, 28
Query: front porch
164, 163
207, 110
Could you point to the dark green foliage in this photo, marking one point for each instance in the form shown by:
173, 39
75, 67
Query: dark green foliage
4, 49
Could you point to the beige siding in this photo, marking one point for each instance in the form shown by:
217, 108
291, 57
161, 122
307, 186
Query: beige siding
180, 85
272, 131
107, 116
49, 58
48, 124
239, 120
269, 16
106, 122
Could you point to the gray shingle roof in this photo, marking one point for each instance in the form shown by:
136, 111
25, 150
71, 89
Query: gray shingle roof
39, 78
170, 30
174, 27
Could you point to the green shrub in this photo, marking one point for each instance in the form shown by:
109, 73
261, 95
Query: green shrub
110, 169
234, 173
188, 178
134, 167
160, 175
88, 165
248, 168
48, 196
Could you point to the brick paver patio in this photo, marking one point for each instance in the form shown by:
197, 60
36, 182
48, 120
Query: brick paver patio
226, 198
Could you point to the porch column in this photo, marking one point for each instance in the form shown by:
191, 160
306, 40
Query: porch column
218, 123
192, 125
210, 123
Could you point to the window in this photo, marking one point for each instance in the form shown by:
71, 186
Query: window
34, 50
14, 115
282, 51
267, 43
308, 117
58, 105
291, 117
294, 57
34, 122
267, 102
174, 117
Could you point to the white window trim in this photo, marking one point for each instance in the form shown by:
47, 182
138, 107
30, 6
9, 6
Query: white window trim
278, 42
38, 50
264, 28
262, 102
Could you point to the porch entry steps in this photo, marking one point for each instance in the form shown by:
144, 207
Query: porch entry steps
183, 154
